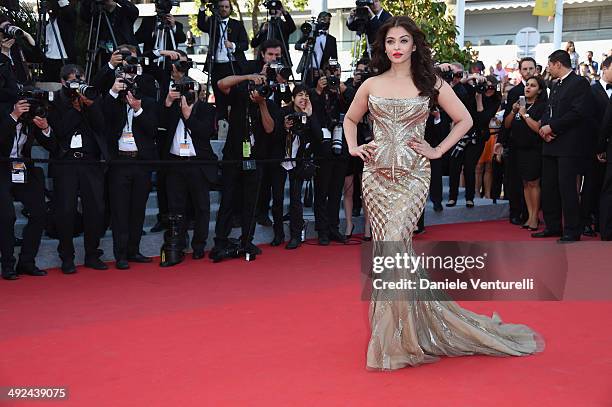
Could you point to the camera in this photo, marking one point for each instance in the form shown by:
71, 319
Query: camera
183, 66
188, 89
264, 90
38, 100
272, 5
333, 82
12, 31
77, 87
164, 6
298, 121
361, 11
363, 75
277, 68
127, 74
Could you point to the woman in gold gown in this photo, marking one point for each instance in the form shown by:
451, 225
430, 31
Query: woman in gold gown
421, 326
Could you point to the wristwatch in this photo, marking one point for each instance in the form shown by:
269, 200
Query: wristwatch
526, 115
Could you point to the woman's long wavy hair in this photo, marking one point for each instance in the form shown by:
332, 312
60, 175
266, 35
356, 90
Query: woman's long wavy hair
423, 75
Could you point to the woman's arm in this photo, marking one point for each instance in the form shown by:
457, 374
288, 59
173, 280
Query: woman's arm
353, 116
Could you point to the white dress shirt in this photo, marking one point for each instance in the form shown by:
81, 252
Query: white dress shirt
182, 135
295, 145
222, 54
317, 56
52, 51
124, 143
20, 139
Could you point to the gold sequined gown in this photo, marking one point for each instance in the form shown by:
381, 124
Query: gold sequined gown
412, 331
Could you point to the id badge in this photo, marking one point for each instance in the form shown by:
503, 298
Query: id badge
18, 173
128, 138
246, 149
184, 150
76, 141
283, 87
326, 134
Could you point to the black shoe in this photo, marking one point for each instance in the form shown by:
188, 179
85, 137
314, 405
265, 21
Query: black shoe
367, 238
68, 267
278, 240
335, 236
469, 203
31, 270
286, 217
516, 221
9, 274
569, 239
588, 231
139, 258
264, 220
546, 233
197, 254
122, 264
252, 249
95, 264
419, 231
438, 207
294, 243
451, 203
158, 227
323, 240
347, 237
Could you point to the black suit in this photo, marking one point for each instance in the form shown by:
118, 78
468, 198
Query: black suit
66, 22
129, 185
565, 157
146, 34
236, 33
605, 145
371, 26
193, 181
75, 177
30, 193
330, 50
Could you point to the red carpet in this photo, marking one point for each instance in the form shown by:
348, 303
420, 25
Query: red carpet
286, 329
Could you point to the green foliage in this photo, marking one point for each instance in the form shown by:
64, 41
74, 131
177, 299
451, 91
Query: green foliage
438, 26
25, 17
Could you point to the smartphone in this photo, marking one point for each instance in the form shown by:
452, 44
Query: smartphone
522, 101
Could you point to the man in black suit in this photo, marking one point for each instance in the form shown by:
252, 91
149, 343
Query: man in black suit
189, 125
593, 179
23, 182
251, 130
229, 41
604, 150
152, 28
16, 51
368, 20
122, 15
78, 123
321, 50
566, 149
60, 33
131, 126
278, 29
513, 185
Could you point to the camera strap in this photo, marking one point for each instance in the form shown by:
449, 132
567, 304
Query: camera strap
184, 150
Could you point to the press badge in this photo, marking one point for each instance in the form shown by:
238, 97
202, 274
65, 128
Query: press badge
76, 141
246, 149
18, 174
128, 137
184, 149
283, 87
326, 134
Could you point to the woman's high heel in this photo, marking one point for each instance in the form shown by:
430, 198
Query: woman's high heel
351, 234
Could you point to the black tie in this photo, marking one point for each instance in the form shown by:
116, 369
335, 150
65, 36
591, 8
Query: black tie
609, 86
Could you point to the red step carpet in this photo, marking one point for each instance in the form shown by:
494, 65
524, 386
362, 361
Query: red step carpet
288, 329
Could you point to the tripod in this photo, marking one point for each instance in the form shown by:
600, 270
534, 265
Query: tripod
308, 63
162, 31
274, 25
94, 33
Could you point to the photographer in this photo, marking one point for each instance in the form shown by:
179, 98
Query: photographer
251, 130
367, 18
60, 32
78, 123
17, 49
330, 100
122, 15
131, 127
23, 182
276, 28
297, 126
483, 102
153, 28
317, 43
225, 55
189, 125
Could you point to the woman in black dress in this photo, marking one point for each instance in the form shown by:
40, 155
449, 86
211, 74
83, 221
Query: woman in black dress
524, 125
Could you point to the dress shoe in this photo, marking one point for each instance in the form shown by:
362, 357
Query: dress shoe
95, 264
516, 221
252, 249
451, 203
139, 258
347, 237
367, 238
469, 204
438, 207
335, 236
294, 243
569, 239
588, 231
546, 233
278, 240
198, 254
122, 264
30, 270
68, 267
323, 240
9, 274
